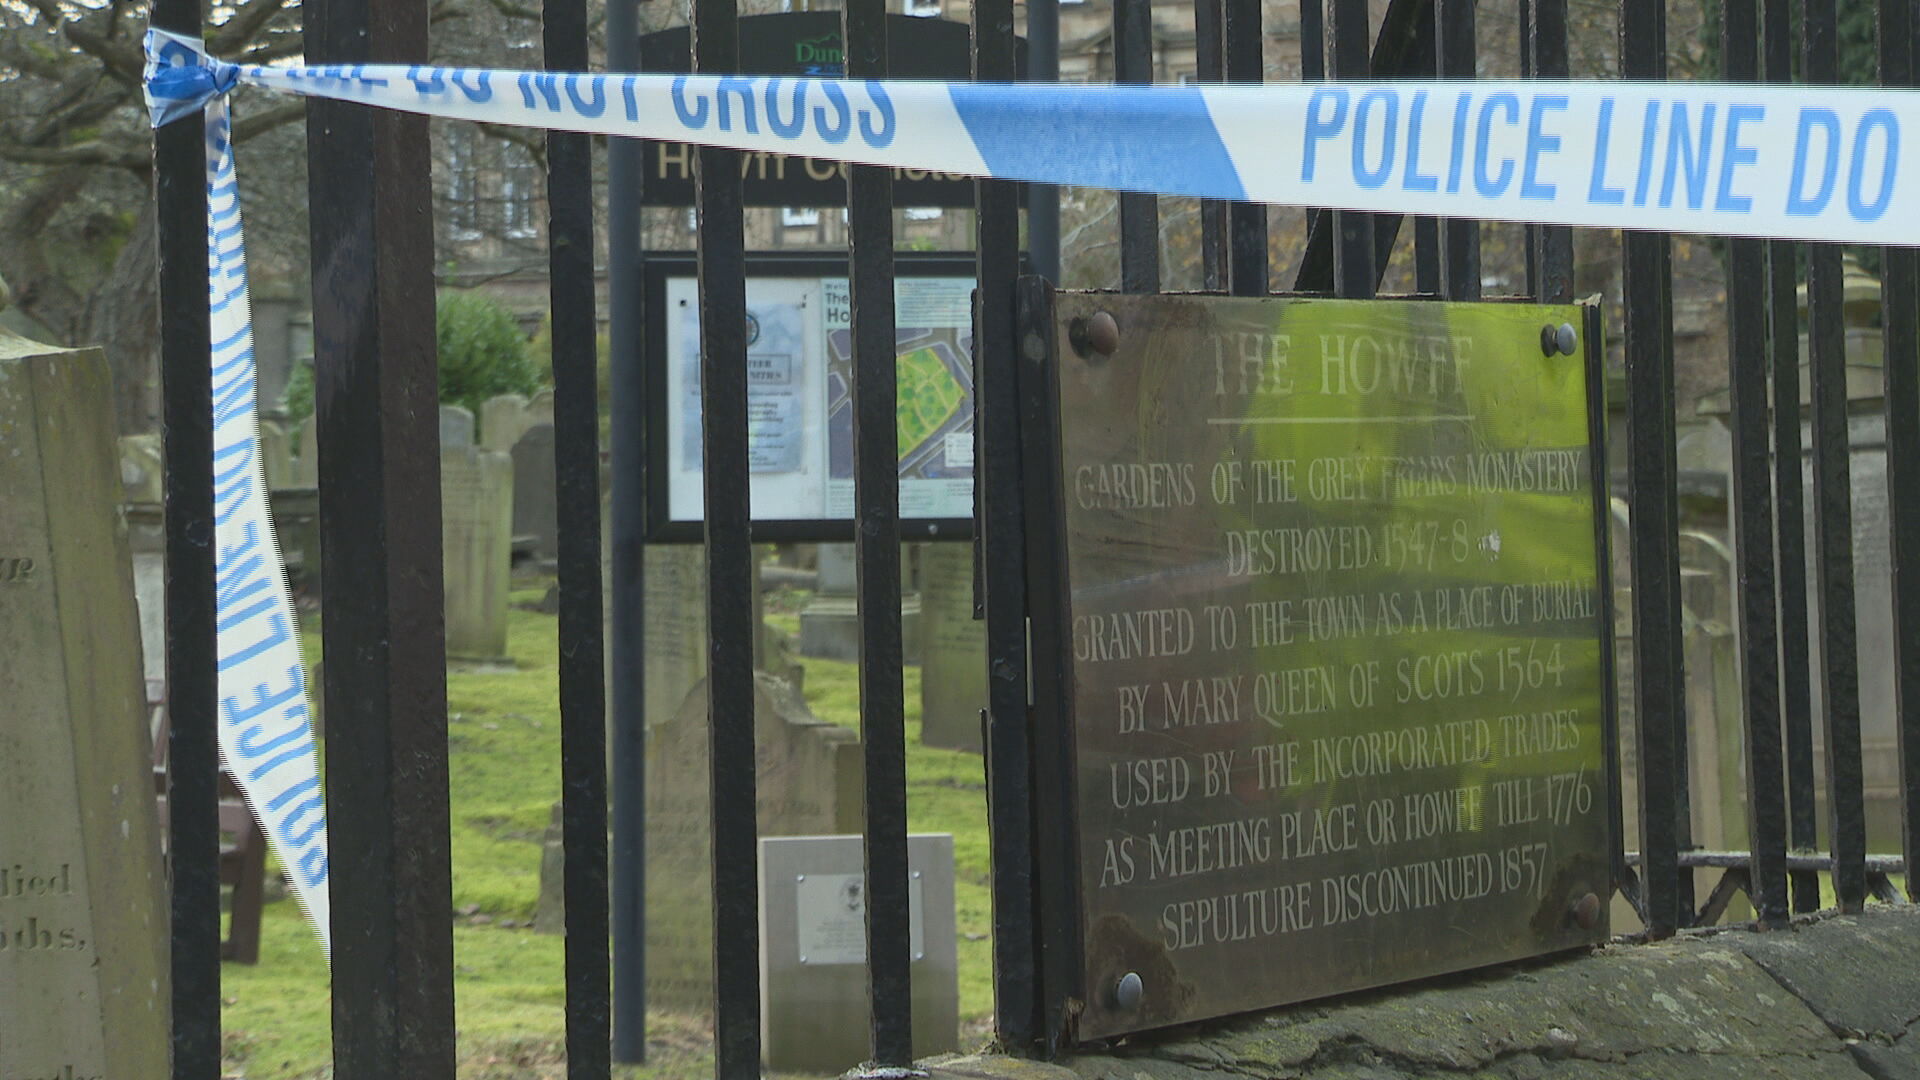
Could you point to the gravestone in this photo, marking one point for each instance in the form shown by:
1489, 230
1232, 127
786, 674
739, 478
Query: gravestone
675, 626
953, 656
813, 954
809, 783
830, 623
456, 427
306, 463
276, 454
503, 419
476, 515
533, 492
550, 913
539, 409
142, 472
83, 918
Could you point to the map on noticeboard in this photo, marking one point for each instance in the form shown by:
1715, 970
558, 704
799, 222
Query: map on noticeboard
800, 398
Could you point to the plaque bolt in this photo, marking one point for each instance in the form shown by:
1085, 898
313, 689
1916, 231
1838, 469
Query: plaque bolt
919, 956
1586, 911
1129, 991
1034, 347
803, 959
1567, 339
916, 875
1558, 339
1103, 333
800, 877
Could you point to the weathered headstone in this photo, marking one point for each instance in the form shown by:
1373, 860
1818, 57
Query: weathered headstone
675, 626
476, 514
808, 774
456, 427
83, 922
539, 409
813, 954
503, 419
953, 658
533, 494
306, 463
141, 474
550, 914
276, 454
830, 623
142, 469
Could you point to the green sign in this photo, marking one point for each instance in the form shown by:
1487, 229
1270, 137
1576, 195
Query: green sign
1333, 635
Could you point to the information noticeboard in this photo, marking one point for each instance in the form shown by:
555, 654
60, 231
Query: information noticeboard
799, 397
1328, 661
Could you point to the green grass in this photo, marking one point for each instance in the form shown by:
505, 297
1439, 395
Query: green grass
504, 754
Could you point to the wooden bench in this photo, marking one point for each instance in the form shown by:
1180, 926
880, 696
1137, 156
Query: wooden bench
243, 846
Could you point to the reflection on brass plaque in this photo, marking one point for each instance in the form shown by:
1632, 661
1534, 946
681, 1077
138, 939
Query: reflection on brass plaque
1334, 638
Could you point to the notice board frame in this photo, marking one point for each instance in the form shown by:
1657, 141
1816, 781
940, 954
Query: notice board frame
657, 268
1051, 729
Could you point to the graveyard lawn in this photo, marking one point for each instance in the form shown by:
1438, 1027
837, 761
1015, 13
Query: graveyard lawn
504, 740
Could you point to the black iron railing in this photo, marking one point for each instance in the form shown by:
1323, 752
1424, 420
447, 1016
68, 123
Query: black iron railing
385, 682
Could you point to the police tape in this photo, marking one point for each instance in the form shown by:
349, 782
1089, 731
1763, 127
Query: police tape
264, 723
1804, 163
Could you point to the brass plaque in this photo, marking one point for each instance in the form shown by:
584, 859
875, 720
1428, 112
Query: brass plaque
1334, 636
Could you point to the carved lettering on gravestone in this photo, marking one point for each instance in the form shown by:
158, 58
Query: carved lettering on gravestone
476, 513
676, 626
1331, 645
808, 774
83, 927
953, 660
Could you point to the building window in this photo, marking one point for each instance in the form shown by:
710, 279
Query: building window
799, 216
927, 9
923, 213
463, 184
520, 197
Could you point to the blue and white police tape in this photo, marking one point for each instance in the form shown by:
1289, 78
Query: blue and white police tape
265, 729
1796, 162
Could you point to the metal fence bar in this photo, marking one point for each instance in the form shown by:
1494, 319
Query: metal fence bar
582, 645
193, 754
1552, 244
1139, 213
1796, 699
1900, 322
1210, 66
877, 555
1405, 48
386, 686
730, 601
627, 747
1838, 687
1457, 48
1242, 35
1659, 687
1753, 521
1002, 576
1349, 57
1043, 200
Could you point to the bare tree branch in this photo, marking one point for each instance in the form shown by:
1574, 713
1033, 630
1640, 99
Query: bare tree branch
91, 152
240, 31
248, 125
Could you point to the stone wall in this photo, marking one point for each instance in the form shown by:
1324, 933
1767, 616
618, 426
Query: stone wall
1834, 997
